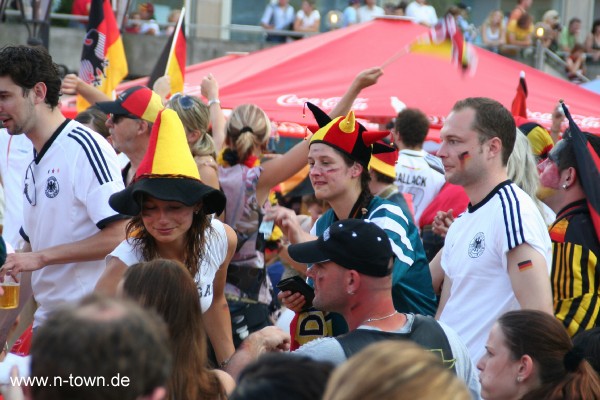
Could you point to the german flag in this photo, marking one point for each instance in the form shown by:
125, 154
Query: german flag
588, 164
519, 104
172, 59
446, 40
103, 62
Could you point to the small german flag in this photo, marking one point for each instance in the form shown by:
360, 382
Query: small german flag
523, 265
172, 60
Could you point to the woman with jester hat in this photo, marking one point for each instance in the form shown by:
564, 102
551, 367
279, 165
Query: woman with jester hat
339, 157
246, 184
569, 188
171, 219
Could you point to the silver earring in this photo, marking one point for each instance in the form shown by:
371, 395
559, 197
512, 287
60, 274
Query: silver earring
564, 186
519, 379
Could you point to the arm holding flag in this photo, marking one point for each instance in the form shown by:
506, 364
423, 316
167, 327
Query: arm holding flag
74, 85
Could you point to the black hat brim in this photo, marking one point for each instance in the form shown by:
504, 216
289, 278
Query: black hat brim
308, 252
112, 107
183, 190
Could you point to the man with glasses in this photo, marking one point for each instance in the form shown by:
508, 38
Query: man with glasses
67, 222
130, 119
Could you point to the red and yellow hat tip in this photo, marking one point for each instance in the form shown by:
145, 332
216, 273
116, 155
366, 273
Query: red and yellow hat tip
168, 152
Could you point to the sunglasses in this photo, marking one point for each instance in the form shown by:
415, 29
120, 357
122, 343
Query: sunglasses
186, 102
116, 118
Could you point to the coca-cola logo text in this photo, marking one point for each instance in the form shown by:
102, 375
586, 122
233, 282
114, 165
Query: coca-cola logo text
292, 100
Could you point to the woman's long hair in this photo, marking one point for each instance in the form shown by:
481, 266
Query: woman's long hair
195, 240
562, 371
166, 287
521, 168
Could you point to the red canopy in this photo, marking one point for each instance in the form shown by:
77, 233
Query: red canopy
320, 68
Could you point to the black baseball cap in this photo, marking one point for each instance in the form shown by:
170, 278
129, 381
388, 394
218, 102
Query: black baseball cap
351, 243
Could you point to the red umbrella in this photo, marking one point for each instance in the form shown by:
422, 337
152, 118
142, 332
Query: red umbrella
320, 68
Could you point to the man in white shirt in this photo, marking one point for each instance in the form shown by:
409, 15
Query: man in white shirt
67, 222
279, 17
497, 254
369, 11
422, 13
418, 173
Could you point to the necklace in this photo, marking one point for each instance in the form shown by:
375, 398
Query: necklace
380, 318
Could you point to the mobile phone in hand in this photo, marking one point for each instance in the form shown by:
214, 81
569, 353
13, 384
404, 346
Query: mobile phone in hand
295, 284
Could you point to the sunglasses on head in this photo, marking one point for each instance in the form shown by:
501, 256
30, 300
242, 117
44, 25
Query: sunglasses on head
116, 118
185, 101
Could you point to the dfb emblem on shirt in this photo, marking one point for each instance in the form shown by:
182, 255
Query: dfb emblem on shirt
477, 245
51, 187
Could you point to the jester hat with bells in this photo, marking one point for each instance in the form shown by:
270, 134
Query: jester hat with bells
345, 135
168, 172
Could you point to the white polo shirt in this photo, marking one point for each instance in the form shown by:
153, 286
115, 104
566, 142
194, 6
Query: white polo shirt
65, 199
475, 259
422, 13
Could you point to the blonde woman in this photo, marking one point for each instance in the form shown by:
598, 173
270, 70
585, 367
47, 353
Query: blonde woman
196, 117
395, 370
493, 31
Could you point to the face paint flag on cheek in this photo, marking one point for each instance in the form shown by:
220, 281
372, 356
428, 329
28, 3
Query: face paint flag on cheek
464, 156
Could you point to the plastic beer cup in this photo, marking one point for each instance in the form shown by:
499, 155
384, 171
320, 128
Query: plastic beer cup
10, 298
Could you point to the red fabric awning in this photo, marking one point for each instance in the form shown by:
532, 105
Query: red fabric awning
320, 68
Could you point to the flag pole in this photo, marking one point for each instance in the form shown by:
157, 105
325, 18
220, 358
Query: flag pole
175, 37
404, 51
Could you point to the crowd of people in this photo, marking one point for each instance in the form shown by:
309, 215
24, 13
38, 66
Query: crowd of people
471, 273
512, 34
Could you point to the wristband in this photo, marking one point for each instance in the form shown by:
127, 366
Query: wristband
224, 363
214, 101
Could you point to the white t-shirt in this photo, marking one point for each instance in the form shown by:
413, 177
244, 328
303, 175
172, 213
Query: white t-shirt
215, 254
475, 259
147, 26
420, 174
66, 200
16, 152
422, 13
366, 14
308, 21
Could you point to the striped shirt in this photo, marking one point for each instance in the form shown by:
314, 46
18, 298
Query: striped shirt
475, 259
575, 270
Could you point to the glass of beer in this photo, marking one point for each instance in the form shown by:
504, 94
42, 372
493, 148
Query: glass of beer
11, 286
